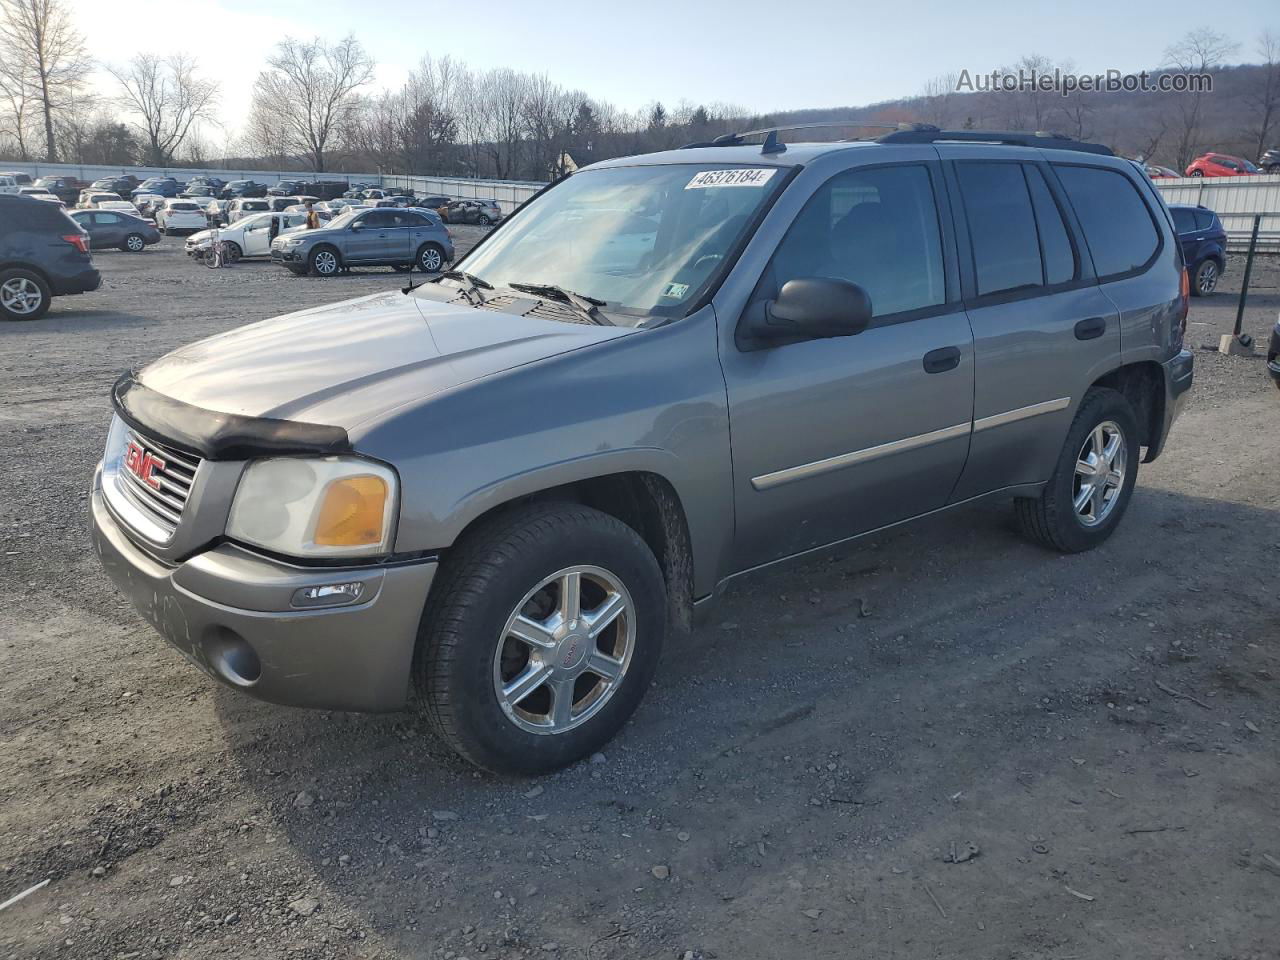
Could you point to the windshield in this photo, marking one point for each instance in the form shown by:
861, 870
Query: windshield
643, 240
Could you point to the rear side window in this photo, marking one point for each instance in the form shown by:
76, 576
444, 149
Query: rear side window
1002, 226
1055, 243
1116, 221
1184, 220
1204, 219
878, 228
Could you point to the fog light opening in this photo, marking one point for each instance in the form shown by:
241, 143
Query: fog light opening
233, 659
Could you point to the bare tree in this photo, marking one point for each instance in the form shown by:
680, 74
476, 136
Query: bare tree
168, 98
310, 92
39, 45
20, 104
936, 104
1200, 51
1264, 98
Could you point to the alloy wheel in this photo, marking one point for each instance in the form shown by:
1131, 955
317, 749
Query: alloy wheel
431, 260
21, 296
565, 650
1207, 277
326, 263
1099, 474
135, 243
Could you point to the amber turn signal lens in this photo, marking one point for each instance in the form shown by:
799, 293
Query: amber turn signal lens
352, 513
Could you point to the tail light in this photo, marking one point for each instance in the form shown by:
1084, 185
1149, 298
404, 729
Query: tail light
1184, 307
78, 240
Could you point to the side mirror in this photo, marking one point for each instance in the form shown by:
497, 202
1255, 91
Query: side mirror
358, 225
810, 308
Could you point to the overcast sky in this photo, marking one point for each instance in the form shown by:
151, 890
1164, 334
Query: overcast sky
763, 55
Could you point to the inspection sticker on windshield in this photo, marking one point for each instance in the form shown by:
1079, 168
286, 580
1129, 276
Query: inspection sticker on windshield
748, 177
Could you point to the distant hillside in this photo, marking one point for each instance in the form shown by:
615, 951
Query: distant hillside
1151, 125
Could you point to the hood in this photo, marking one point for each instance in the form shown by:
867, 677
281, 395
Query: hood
349, 363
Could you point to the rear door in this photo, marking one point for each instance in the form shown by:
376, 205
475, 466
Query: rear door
108, 229
1043, 331
838, 436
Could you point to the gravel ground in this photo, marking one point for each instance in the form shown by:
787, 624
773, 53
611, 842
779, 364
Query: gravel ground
943, 742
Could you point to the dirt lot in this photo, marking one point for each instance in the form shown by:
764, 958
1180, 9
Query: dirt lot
1102, 728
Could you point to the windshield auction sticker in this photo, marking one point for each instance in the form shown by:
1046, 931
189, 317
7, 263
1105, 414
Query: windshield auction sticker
748, 177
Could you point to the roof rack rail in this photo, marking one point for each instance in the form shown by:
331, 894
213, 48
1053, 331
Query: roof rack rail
1041, 138
772, 144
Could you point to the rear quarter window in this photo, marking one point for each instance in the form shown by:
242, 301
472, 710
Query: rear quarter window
1118, 227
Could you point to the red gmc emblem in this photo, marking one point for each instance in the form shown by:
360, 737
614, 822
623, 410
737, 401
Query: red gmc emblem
143, 464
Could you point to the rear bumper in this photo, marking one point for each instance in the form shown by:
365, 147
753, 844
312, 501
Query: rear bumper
82, 282
1179, 371
230, 613
1273, 354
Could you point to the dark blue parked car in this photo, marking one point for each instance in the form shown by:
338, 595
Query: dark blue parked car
1204, 246
1273, 354
160, 186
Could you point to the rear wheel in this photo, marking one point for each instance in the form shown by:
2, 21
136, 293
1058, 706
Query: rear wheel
324, 262
484, 220
1083, 501
134, 243
1206, 278
543, 632
430, 258
23, 295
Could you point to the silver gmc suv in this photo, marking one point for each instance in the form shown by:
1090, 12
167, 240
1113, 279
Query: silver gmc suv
493, 495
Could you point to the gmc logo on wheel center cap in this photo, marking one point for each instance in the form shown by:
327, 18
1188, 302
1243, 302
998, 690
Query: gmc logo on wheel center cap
143, 464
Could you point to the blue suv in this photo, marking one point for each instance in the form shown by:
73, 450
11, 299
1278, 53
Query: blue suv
1204, 246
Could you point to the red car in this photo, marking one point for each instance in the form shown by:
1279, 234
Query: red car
1221, 165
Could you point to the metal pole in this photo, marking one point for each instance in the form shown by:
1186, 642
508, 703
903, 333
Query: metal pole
1248, 269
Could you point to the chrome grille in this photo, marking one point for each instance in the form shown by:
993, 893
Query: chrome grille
164, 506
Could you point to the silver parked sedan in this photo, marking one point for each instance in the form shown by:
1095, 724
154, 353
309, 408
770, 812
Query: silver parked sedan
402, 239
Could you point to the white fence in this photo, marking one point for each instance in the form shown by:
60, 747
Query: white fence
509, 193
1235, 200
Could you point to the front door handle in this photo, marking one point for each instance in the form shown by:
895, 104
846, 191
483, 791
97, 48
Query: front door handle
1091, 329
942, 360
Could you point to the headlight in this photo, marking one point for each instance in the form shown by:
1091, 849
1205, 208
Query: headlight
323, 507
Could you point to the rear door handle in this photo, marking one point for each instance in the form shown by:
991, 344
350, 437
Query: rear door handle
1091, 329
942, 360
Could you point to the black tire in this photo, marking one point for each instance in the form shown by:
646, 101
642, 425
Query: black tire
1205, 279
481, 584
484, 220
324, 262
1197, 173
134, 243
31, 288
231, 252
1051, 519
430, 258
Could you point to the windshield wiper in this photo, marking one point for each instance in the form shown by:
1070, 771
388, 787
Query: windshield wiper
471, 292
586, 306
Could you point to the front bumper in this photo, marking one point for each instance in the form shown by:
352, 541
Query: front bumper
293, 255
229, 612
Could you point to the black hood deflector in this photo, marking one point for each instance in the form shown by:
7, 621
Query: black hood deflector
220, 436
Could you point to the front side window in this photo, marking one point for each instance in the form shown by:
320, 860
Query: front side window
876, 227
643, 239
1116, 222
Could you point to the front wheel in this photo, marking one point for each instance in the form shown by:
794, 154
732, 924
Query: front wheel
430, 258
324, 262
1197, 173
543, 632
1092, 483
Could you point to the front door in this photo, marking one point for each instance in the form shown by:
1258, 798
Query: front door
838, 436
375, 236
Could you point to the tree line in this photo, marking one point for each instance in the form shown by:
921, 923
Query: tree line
315, 108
